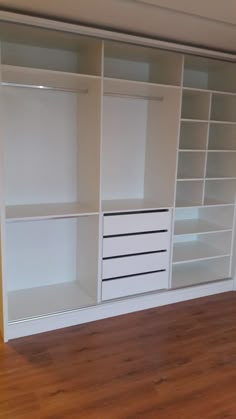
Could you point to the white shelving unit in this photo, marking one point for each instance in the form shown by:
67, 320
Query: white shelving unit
117, 175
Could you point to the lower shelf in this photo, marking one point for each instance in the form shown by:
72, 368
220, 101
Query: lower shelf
196, 250
119, 205
51, 299
196, 273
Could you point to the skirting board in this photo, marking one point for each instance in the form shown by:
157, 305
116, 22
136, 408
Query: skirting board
114, 308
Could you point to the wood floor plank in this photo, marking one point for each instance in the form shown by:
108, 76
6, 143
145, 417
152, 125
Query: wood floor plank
174, 362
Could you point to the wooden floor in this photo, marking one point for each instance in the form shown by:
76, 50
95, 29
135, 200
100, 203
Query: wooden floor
173, 362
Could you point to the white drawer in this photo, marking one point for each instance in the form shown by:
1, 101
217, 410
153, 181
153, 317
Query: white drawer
136, 222
138, 243
123, 287
129, 265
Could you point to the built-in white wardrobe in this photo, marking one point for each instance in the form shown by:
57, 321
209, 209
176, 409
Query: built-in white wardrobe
117, 174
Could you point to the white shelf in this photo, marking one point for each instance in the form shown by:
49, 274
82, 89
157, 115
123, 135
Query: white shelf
120, 205
41, 301
192, 179
215, 202
195, 89
45, 78
193, 226
47, 211
134, 87
194, 120
186, 275
195, 250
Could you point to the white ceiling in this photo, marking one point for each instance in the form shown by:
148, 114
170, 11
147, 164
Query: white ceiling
210, 23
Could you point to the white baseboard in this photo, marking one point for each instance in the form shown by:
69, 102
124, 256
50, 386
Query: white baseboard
114, 308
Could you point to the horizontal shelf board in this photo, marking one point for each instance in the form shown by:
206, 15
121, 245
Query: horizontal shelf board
214, 202
192, 150
220, 92
195, 250
41, 301
194, 120
121, 205
210, 121
47, 211
191, 179
49, 78
221, 151
197, 227
192, 274
134, 86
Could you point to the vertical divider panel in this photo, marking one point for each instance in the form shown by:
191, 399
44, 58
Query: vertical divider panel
176, 172
207, 146
3, 279
100, 229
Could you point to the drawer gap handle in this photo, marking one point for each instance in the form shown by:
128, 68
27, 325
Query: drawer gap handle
131, 275
135, 234
135, 254
134, 212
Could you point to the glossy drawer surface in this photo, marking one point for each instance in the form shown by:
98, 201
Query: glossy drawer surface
129, 265
138, 243
136, 222
123, 287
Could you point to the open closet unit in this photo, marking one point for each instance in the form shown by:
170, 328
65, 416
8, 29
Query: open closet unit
118, 174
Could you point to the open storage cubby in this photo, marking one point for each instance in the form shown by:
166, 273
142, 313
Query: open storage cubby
210, 74
221, 165
223, 108
191, 165
125, 61
189, 193
195, 105
193, 135
24, 46
204, 246
222, 137
52, 151
51, 265
196, 273
139, 137
203, 220
220, 191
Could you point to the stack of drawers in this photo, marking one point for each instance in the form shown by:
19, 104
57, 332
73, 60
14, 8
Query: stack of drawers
135, 253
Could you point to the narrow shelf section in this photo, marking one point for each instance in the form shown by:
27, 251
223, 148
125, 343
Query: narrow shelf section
47, 211
196, 250
121, 205
41, 301
196, 273
197, 226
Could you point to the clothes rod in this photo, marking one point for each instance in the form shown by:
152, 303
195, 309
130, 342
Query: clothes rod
154, 98
41, 87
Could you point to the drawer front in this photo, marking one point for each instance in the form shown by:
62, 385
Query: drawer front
136, 222
140, 243
123, 287
129, 265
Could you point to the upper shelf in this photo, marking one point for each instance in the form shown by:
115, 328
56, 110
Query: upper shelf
42, 79
47, 211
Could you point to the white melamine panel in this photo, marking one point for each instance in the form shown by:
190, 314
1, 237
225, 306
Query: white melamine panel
195, 273
193, 135
46, 211
220, 192
203, 220
139, 137
205, 246
220, 165
124, 143
191, 165
41, 48
52, 252
49, 299
130, 265
137, 222
138, 243
195, 105
124, 205
205, 73
144, 64
189, 194
223, 108
42, 78
46, 149
222, 137
134, 285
